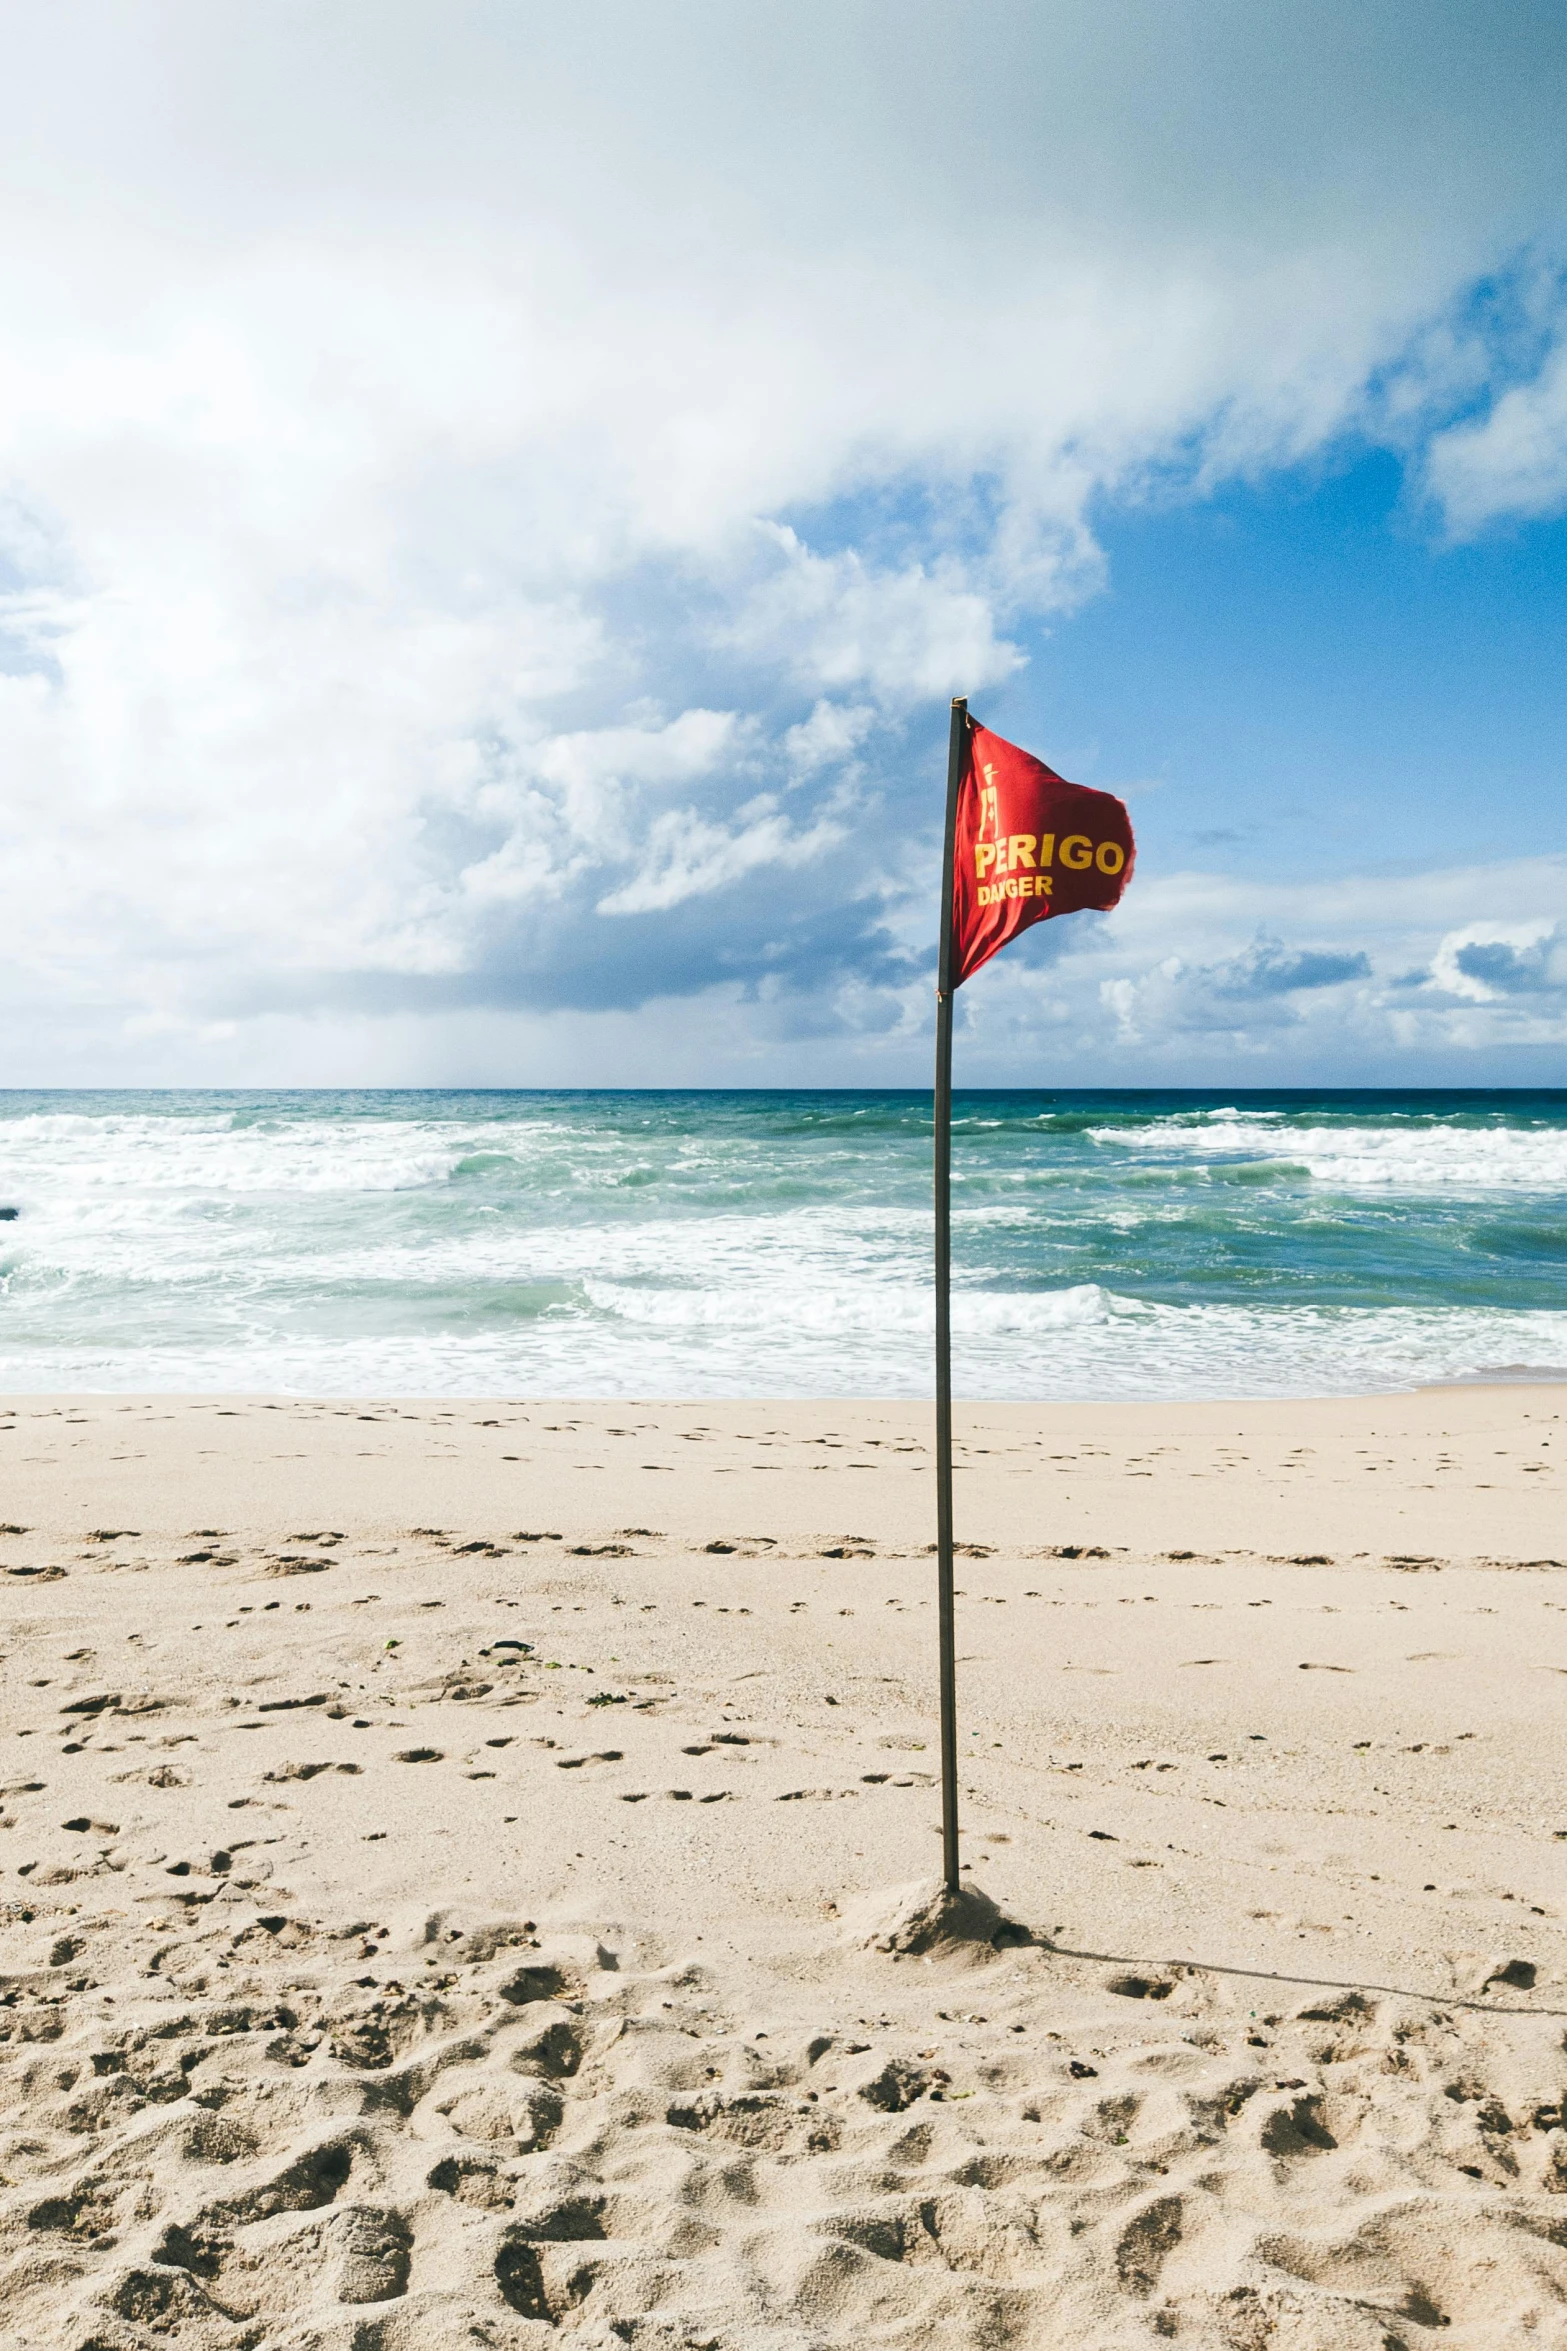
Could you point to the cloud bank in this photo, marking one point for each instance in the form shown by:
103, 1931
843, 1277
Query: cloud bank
491, 507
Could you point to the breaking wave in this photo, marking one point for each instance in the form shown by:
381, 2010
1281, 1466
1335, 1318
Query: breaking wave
708, 1244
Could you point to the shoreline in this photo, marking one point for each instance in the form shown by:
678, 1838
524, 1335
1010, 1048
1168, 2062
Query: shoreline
1467, 1471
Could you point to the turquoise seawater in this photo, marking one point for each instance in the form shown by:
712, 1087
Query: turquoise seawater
777, 1244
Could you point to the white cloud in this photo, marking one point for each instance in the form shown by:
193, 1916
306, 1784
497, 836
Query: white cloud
828, 738
466, 466
834, 623
1513, 461
1195, 977
686, 858
1484, 962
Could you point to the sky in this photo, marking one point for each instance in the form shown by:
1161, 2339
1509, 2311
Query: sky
495, 500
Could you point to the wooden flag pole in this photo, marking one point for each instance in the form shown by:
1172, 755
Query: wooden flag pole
957, 745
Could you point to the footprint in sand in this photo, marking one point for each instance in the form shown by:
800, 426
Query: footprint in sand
676, 1796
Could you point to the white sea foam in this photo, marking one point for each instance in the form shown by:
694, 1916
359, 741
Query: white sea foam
1147, 1352
126, 1154
566, 1245
860, 1310
1401, 1155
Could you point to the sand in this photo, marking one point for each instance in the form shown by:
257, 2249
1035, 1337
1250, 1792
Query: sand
462, 1864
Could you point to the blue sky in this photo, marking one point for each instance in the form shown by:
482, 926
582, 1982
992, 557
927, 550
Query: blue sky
1317, 681
480, 583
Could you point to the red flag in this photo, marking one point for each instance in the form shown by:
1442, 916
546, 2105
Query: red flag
1028, 845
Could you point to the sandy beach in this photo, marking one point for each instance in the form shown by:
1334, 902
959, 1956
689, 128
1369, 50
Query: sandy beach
461, 1867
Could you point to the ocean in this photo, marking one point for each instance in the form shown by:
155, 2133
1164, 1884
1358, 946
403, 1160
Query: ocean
777, 1244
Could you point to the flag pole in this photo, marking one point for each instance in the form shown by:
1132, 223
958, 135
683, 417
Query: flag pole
957, 744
